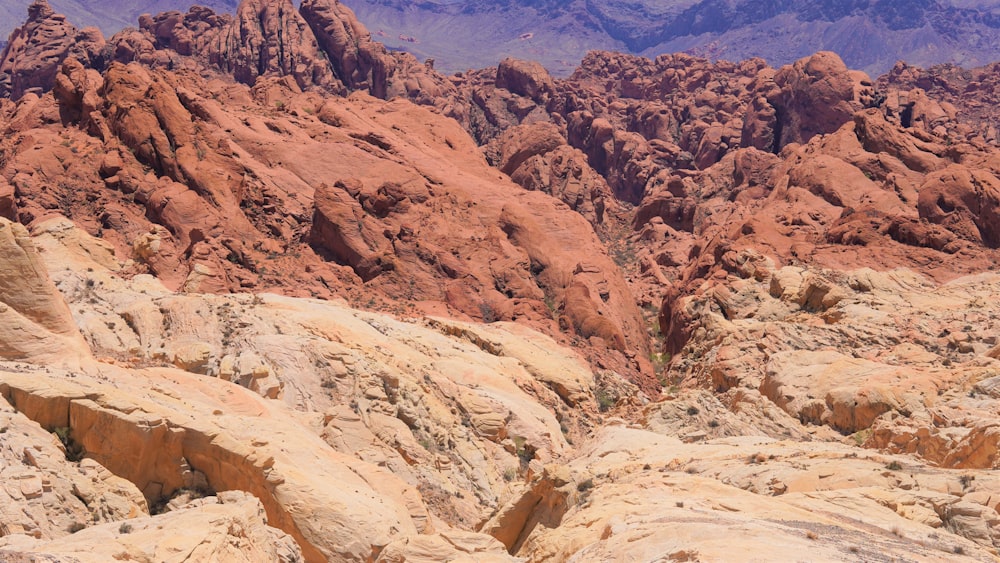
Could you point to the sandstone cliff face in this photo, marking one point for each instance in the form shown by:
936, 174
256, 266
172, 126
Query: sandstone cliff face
229, 527
189, 189
38, 323
361, 63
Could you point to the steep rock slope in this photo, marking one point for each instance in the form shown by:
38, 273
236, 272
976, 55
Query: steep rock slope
179, 432
215, 186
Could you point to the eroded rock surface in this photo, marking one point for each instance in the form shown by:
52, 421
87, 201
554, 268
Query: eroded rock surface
264, 276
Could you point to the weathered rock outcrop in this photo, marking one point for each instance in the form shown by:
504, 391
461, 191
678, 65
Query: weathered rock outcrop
525, 78
536, 157
50, 496
640, 495
274, 40
32, 58
36, 321
321, 46
264, 38
814, 96
965, 201
188, 188
944, 98
230, 527
359, 62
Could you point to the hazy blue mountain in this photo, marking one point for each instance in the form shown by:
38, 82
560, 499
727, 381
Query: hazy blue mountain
462, 34
868, 34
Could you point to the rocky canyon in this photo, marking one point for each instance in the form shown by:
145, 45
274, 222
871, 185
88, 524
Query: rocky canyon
271, 291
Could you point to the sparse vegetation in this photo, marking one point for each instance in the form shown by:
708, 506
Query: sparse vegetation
190, 493
125, 528
660, 361
524, 450
583, 486
894, 466
73, 450
550, 304
487, 312
605, 401
861, 436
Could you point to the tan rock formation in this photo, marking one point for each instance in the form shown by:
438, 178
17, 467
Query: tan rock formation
639, 495
230, 527
452, 408
46, 496
37, 323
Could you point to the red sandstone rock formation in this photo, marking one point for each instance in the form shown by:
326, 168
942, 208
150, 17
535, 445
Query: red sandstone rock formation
36, 50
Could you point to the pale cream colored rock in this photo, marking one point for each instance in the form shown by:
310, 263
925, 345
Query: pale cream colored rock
34, 320
826, 387
233, 528
152, 438
446, 546
200, 277
640, 496
413, 386
890, 351
45, 495
566, 373
195, 357
81, 245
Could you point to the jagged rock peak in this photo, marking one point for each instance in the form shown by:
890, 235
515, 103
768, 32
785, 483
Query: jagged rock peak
37, 49
39, 10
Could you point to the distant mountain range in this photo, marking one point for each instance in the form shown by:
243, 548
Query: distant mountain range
868, 34
461, 34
